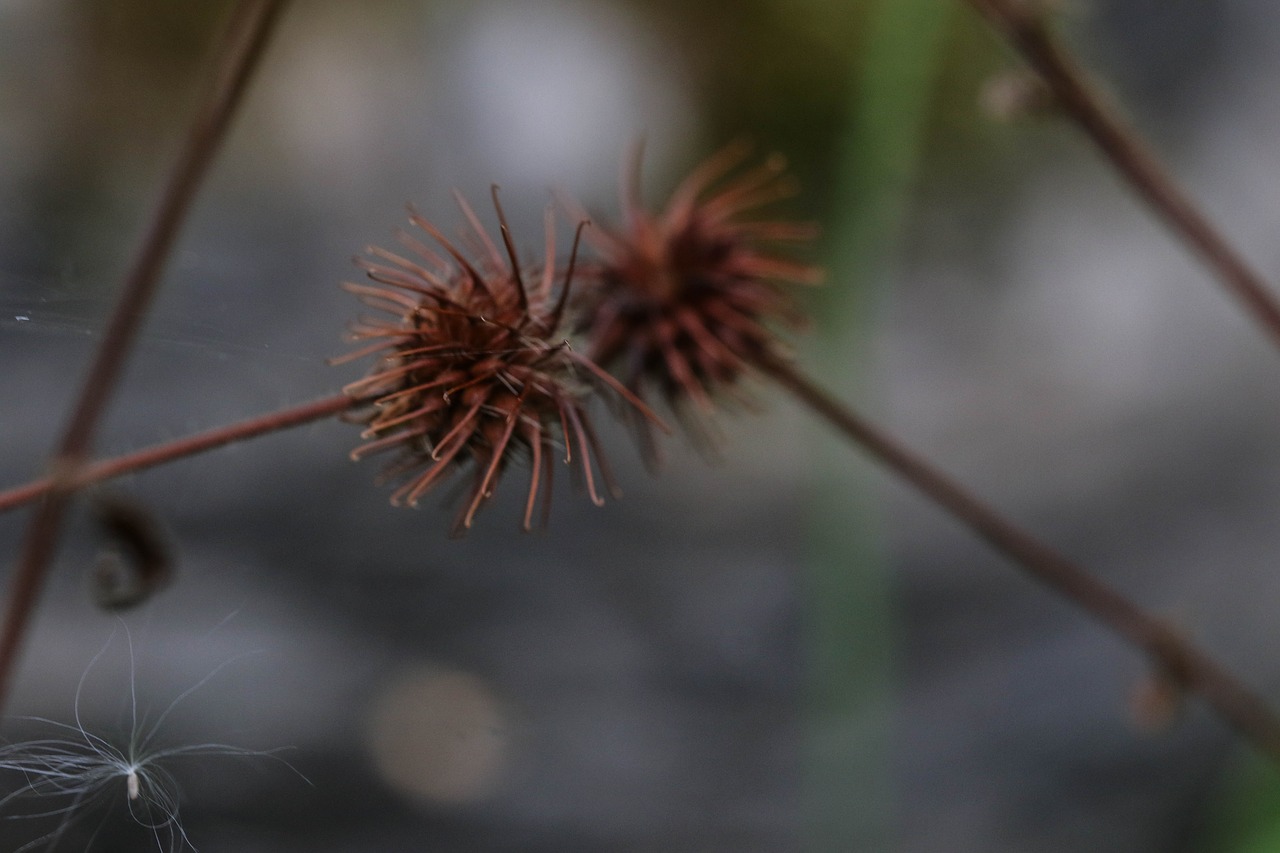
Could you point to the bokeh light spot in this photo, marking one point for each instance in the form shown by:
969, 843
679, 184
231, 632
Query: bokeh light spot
438, 735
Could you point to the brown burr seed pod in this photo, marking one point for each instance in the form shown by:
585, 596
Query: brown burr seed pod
469, 370
683, 299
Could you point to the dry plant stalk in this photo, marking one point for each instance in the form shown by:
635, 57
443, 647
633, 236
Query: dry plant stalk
681, 302
1025, 24
235, 58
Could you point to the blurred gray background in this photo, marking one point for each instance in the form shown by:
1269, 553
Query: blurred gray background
641, 677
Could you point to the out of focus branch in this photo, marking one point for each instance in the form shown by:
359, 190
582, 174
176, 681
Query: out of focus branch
1175, 659
234, 61
1023, 23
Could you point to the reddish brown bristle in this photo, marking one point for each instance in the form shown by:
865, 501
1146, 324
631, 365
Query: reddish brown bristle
467, 372
684, 298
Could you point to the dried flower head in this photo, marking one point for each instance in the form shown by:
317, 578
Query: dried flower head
684, 298
469, 371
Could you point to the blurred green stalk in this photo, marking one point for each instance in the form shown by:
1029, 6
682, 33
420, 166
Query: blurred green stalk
849, 780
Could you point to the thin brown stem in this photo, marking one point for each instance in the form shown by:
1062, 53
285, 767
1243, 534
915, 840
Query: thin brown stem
235, 58
159, 454
1170, 653
1025, 28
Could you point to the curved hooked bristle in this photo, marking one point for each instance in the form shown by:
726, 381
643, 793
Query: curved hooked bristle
470, 376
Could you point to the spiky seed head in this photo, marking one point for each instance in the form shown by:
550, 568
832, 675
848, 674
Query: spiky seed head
470, 372
684, 298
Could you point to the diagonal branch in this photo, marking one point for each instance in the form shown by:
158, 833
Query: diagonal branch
1025, 28
159, 454
234, 61
1175, 658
